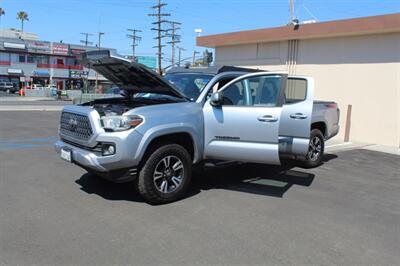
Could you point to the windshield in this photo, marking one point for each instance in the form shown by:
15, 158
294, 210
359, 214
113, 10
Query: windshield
158, 97
190, 84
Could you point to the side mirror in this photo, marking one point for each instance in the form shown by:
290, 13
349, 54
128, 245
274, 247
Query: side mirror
216, 99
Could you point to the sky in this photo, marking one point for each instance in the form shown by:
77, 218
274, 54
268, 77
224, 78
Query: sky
55, 20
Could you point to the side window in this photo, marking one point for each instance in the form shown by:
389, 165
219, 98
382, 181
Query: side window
217, 86
234, 94
265, 90
254, 91
296, 90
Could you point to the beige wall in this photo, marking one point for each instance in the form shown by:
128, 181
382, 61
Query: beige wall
363, 71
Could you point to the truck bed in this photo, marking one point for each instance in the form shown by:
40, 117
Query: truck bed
328, 113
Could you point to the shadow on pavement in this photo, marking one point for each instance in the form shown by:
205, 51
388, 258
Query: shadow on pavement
257, 179
108, 190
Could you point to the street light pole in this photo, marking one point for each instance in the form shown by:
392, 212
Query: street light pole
194, 57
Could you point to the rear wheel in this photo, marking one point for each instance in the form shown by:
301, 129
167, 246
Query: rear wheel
166, 174
315, 149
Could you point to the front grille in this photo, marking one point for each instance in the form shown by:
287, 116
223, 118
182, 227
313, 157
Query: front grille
75, 126
95, 149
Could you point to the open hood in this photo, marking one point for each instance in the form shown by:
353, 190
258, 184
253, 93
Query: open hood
130, 76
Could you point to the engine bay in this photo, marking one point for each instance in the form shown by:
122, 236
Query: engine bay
119, 105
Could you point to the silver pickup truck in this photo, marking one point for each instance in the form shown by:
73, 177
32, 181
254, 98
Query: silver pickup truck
161, 127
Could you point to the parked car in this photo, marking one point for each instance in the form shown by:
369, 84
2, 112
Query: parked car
114, 91
8, 87
156, 134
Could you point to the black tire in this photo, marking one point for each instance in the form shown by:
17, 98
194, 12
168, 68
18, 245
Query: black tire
151, 188
315, 150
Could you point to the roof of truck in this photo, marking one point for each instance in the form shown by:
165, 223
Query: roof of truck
214, 70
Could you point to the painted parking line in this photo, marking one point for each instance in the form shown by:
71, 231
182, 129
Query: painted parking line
14, 144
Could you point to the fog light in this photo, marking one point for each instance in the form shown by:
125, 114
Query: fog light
108, 149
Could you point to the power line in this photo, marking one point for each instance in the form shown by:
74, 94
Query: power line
135, 40
86, 40
159, 29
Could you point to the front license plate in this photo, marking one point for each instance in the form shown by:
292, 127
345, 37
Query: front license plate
66, 155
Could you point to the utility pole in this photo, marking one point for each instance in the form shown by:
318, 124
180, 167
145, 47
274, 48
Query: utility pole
175, 38
86, 40
180, 49
97, 74
99, 40
135, 40
194, 57
159, 29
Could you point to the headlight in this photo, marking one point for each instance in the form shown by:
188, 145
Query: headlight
121, 123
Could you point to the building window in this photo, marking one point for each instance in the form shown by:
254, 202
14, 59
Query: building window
60, 61
14, 58
22, 58
30, 59
4, 57
43, 59
71, 61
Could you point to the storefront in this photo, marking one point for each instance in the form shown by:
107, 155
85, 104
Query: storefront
41, 78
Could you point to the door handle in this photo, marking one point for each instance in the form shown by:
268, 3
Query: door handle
298, 116
267, 118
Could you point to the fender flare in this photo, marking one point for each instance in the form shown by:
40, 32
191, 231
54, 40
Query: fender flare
169, 129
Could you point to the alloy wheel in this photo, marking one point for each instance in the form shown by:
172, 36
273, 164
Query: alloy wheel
315, 148
168, 174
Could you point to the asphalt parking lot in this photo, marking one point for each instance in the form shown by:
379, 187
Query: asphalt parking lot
346, 212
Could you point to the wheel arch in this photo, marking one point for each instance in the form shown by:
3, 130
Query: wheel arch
320, 126
184, 136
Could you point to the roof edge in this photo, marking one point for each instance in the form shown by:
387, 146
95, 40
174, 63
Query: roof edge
388, 23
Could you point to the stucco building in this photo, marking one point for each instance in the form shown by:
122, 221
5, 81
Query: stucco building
25, 60
354, 62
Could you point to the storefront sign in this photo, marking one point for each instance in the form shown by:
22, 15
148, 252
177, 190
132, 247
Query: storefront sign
14, 45
40, 73
78, 74
77, 51
58, 48
149, 61
43, 46
14, 71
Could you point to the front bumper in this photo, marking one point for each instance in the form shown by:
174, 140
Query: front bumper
84, 158
119, 167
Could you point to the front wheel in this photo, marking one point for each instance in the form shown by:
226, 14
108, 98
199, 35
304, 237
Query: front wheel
316, 149
166, 174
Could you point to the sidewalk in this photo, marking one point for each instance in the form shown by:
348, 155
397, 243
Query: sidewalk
26, 99
385, 149
338, 145
9, 108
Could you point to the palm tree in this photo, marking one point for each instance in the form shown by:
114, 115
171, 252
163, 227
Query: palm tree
2, 13
22, 15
